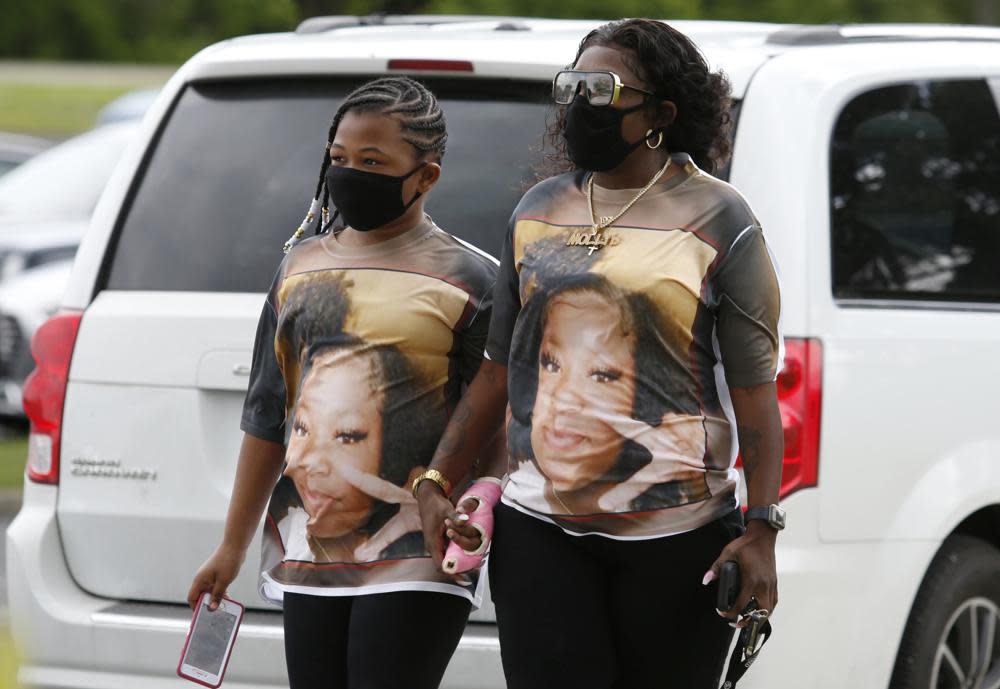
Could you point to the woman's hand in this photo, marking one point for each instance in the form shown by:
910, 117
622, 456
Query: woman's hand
216, 575
754, 552
435, 510
677, 446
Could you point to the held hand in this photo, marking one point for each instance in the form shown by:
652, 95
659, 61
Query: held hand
435, 510
216, 575
678, 449
754, 552
459, 529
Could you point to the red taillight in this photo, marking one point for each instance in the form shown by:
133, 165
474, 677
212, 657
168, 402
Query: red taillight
800, 393
45, 393
431, 65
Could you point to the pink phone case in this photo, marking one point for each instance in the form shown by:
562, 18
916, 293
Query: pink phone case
187, 642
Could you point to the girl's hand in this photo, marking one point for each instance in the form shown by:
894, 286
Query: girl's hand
215, 576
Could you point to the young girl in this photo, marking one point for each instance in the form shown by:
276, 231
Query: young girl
368, 334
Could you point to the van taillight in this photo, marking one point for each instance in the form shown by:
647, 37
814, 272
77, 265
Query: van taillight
431, 65
45, 393
800, 393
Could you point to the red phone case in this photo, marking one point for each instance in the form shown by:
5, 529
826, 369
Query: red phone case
187, 642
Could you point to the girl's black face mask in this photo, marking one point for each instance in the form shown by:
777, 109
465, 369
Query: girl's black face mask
593, 135
368, 200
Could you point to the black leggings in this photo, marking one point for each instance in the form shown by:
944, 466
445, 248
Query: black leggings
589, 612
378, 641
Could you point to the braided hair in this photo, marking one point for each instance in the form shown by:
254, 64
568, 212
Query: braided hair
410, 103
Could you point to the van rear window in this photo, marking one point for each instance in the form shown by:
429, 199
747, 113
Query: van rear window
236, 164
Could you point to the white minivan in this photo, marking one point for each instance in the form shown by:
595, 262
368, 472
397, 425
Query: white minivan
871, 154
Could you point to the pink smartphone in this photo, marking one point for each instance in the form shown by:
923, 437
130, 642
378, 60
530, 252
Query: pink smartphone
210, 641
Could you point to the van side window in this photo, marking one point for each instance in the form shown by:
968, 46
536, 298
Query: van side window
915, 194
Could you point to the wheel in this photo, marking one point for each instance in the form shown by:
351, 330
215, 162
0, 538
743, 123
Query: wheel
952, 639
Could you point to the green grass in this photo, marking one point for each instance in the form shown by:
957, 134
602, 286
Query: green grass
13, 454
53, 110
59, 99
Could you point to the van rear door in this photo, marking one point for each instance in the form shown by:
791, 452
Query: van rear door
151, 429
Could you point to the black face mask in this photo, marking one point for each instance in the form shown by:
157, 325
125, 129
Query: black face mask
368, 200
593, 135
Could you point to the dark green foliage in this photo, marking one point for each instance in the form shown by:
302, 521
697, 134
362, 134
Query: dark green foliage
172, 30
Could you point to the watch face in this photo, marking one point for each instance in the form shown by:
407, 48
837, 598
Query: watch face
777, 517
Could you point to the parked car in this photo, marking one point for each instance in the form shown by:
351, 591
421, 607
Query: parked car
17, 148
65, 181
131, 106
871, 154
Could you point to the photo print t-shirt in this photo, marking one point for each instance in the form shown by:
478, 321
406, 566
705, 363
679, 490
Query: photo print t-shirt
620, 357
360, 356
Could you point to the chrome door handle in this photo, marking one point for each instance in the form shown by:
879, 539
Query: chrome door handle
241, 370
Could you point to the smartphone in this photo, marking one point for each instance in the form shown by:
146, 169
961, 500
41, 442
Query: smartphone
729, 585
210, 641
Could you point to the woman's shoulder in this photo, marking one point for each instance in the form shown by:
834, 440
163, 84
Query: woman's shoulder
544, 194
732, 214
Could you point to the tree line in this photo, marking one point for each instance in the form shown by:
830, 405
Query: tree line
171, 31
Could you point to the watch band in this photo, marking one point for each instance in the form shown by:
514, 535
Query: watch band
435, 476
772, 514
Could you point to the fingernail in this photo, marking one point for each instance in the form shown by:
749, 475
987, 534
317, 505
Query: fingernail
451, 534
734, 625
709, 578
462, 518
721, 614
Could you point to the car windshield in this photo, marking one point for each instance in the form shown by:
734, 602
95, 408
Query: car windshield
65, 181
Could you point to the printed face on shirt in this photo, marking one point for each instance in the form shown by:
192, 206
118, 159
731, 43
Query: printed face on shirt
586, 379
337, 432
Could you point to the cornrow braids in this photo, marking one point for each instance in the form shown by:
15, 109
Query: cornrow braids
420, 118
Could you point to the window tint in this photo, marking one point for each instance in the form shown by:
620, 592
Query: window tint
915, 194
237, 163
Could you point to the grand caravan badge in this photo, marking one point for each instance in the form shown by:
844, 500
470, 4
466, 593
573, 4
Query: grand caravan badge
109, 468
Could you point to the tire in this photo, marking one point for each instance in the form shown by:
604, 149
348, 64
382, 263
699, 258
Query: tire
960, 591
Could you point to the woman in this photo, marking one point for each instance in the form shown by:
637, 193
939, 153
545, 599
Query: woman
368, 334
615, 596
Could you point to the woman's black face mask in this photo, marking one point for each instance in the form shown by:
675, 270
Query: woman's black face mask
368, 200
593, 135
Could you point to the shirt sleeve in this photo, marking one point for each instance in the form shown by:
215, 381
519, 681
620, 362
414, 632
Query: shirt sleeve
473, 337
748, 309
506, 303
264, 406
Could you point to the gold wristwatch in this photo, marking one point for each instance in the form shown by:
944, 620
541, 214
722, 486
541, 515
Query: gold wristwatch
435, 476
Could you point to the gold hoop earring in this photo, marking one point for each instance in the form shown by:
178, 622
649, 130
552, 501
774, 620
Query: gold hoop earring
659, 139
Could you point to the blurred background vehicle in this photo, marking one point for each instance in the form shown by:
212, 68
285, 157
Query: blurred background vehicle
17, 148
131, 106
64, 182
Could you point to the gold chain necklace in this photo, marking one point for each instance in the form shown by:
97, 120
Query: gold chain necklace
596, 239
607, 221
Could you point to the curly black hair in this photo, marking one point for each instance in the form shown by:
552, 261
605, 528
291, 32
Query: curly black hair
671, 66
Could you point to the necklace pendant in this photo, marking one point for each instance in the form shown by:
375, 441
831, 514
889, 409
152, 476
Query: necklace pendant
594, 240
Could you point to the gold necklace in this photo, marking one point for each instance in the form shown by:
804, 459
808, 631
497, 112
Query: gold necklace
596, 239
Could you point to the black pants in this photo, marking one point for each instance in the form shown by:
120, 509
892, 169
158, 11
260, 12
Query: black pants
588, 612
398, 640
